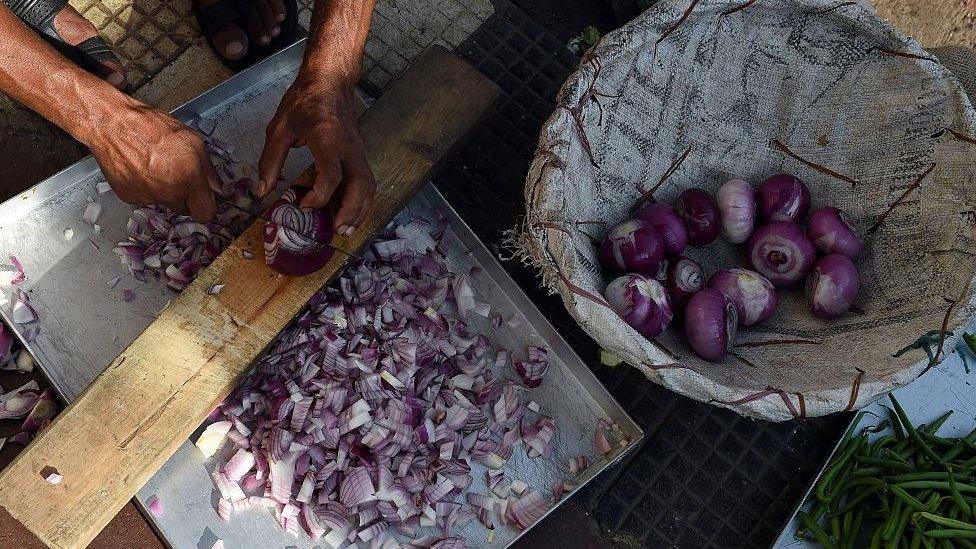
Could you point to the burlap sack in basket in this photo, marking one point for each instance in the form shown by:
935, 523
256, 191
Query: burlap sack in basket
824, 90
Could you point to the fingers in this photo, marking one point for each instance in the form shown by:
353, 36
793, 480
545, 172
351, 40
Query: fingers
278, 7
273, 158
327, 177
268, 18
255, 27
201, 202
360, 188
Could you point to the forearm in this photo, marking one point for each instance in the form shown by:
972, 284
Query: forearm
35, 74
337, 36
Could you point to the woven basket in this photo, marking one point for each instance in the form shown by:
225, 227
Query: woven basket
709, 90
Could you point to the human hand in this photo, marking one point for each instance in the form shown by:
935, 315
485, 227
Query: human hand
149, 157
317, 111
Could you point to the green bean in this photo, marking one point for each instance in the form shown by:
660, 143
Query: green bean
854, 501
899, 530
965, 543
927, 542
822, 490
954, 452
912, 433
936, 425
876, 538
835, 527
930, 475
951, 534
888, 463
954, 524
957, 496
933, 439
855, 528
916, 540
880, 443
935, 485
818, 532
895, 423
907, 498
892, 521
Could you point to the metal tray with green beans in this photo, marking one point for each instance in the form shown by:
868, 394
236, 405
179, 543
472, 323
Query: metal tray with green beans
892, 484
909, 488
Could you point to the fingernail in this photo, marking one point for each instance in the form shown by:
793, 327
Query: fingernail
234, 48
276, 31
264, 40
116, 78
280, 17
262, 187
342, 229
350, 230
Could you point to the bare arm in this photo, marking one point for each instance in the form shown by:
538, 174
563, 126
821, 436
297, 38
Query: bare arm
318, 111
145, 154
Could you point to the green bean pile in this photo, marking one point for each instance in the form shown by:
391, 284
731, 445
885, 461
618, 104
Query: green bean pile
909, 489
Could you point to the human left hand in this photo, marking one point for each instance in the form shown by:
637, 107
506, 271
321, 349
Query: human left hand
317, 111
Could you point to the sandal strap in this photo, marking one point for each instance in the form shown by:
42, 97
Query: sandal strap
218, 15
37, 13
95, 49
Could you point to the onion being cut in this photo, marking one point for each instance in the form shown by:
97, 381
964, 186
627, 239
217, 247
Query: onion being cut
701, 216
831, 233
711, 322
753, 294
783, 197
633, 246
296, 241
832, 286
642, 302
781, 252
668, 224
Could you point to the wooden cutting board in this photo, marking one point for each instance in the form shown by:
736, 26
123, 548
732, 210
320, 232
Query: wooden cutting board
146, 403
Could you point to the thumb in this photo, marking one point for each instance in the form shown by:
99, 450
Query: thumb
272, 160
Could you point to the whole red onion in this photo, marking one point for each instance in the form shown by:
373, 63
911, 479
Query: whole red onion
642, 302
753, 294
711, 322
668, 224
832, 286
831, 233
685, 279
295, 240
699, 211
737, 204
783, 197
633, 246
781, 252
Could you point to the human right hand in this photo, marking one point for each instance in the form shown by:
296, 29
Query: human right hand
149, 157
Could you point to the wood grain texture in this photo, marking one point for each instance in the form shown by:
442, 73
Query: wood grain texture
135, 415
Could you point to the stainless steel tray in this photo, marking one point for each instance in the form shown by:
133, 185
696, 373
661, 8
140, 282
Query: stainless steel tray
84, 324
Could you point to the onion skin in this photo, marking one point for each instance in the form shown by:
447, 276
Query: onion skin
832, 286
737, 205
711, 322
633, 246
294, 239
642, 302
753, 294
783, 197
781, 252
831, 233
700, 213
685, 279
668, 224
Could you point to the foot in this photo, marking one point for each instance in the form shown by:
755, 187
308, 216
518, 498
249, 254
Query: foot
261, 23
75, 29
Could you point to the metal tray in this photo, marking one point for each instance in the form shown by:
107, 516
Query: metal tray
84, 324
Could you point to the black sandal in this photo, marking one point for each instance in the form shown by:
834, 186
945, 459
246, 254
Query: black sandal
218, 15
39, 15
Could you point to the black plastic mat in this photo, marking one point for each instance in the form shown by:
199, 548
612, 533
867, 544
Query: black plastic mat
705, 477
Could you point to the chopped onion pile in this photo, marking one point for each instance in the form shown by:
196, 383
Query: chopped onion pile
163, 245
370, 415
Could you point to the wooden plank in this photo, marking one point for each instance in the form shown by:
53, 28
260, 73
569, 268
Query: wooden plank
135, 415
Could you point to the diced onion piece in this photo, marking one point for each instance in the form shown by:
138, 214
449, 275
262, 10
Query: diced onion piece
212, 438
92, 212
155, 506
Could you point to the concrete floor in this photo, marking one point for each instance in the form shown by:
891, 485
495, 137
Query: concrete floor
31, 150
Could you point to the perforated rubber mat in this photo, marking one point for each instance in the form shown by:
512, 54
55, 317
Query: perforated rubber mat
705, 477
